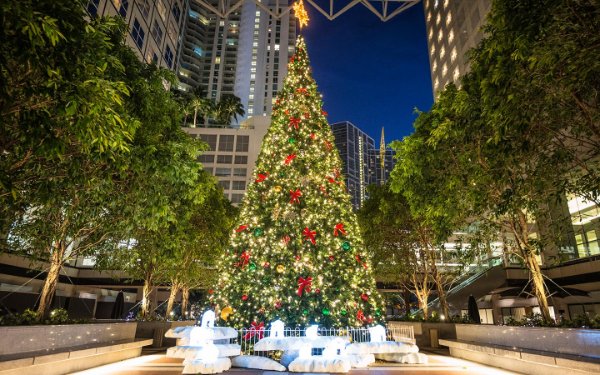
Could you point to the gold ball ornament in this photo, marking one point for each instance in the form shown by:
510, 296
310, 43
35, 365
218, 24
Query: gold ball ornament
277, 188
280, 268
226, 312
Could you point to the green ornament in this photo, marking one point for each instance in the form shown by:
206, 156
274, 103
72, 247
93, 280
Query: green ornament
325, 311
258, 232
292, 140
344, 312
305, 312
281, 174
252, 266
378, 312
346, 246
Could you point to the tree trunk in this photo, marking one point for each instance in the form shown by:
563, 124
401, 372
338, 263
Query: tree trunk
195, 116
422, 293
51, 281
145, 304
441, 291
539, 288
185, 299
174, 290
528, 254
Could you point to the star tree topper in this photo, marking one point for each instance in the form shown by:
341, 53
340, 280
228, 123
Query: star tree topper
301, 13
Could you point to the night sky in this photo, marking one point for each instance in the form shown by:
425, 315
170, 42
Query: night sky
371, 73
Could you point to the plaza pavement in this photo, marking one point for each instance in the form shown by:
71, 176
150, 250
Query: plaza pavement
158, 364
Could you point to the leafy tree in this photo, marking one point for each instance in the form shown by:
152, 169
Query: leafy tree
205, 235
517, 135
64, 131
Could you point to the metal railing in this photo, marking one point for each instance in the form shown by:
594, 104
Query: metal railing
247, 338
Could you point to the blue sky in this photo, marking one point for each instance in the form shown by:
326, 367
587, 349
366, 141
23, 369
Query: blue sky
370, 72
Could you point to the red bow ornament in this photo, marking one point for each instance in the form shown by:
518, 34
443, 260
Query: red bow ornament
241, 228
256, 329
304, 285
262, 177
295, 196
310, 235
339, 229
244, 259
295, 122
302, 90
361, 316
289, 159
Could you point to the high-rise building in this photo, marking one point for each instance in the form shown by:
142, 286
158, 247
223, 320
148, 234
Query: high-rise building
209, 55
453, 27
363, 164
244, 54
155, 27
266, 44
232, 153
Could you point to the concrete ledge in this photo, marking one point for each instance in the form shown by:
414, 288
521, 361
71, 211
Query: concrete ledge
523, 361
76, 360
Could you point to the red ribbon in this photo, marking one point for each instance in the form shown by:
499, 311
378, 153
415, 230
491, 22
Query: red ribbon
295, 196
310, 235
339, 229
241, 228
262, 177
304, 285
301, 90
244, 259
256, 329
328, 145
289, 159
286, 239
361, 316
323, 113
294, 121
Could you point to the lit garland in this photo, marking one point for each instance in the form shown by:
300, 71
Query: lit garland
297, 225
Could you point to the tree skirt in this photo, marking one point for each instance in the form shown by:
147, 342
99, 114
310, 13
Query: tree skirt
190, 352
381, 347
198, 366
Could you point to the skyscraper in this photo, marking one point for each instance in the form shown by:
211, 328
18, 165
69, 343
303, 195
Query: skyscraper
155, 27
244, 54
363, 163
453, 27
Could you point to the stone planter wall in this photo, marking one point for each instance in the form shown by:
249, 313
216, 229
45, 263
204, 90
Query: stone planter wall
423, 331
575, 341
156, 330
23, 339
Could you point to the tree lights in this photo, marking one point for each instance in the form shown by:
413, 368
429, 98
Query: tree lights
296, 223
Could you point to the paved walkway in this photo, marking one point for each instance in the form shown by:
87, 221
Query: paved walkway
158, 364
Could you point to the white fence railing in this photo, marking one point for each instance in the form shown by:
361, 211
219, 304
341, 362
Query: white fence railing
247, 338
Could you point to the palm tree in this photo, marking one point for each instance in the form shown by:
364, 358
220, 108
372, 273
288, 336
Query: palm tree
229, 106
203, 106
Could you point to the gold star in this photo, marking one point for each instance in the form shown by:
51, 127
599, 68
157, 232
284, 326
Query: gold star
301, 13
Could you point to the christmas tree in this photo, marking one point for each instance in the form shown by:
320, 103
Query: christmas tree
296, 253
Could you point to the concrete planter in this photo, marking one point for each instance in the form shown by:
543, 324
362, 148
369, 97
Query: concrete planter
425, 332
156, 330
24, 339
575, 341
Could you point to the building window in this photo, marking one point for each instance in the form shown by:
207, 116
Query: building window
145, 7
208, 170
224, 159
239, 185
211, 140
240, 172
236, 198
137, 33
92, 7
223, 172
242, 143
241, 159
224, 185
157, 32
226, 142
176, 11
206, 158
122, 6
169, 57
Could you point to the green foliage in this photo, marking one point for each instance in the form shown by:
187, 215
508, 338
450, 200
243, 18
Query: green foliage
30, 317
